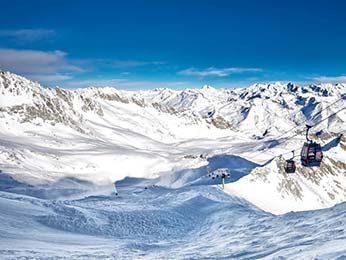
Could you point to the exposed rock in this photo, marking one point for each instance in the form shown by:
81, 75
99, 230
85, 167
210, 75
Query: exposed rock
220, 122
114, 97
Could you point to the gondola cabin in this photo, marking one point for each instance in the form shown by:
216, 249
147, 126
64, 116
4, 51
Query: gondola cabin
290, 166
311, 154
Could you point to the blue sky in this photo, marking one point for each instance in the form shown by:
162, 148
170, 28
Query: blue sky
175, 44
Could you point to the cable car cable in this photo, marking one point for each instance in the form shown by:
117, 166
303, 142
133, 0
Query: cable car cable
286, 139
311, 118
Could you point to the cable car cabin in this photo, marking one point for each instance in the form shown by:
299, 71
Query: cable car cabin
290, 166
311, 154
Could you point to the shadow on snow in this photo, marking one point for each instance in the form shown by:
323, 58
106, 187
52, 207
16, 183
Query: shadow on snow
237, 166
70, 187
63, 188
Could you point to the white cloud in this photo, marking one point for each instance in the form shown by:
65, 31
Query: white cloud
121, 83
32, 61
42, 62
42, 66
216, 72
330, 79
49, 78
94, 83
124, 63
94, 64
50, 67
27, 35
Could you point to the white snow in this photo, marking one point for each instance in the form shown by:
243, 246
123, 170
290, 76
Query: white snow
61, 152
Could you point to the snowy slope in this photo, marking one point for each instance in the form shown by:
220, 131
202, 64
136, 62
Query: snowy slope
102, 135
62, 150
308, 188
157, 223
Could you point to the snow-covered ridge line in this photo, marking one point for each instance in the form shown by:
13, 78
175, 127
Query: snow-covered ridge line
277, 88
225, 108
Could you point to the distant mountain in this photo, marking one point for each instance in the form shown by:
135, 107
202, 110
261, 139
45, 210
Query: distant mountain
260, 107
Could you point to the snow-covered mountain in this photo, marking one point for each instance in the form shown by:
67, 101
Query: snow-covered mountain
103, 135
62, 150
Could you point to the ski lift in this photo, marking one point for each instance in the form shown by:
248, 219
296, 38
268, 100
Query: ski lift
311, 154
222, 173
290, 166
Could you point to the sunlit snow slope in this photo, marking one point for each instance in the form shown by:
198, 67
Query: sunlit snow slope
102, 135
61, 151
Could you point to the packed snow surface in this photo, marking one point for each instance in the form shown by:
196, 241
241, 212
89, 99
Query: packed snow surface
62, 153
149, 221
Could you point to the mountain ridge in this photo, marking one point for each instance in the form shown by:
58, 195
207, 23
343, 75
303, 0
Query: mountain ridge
198, 103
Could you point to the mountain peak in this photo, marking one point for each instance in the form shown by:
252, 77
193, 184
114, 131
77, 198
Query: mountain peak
208, 87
